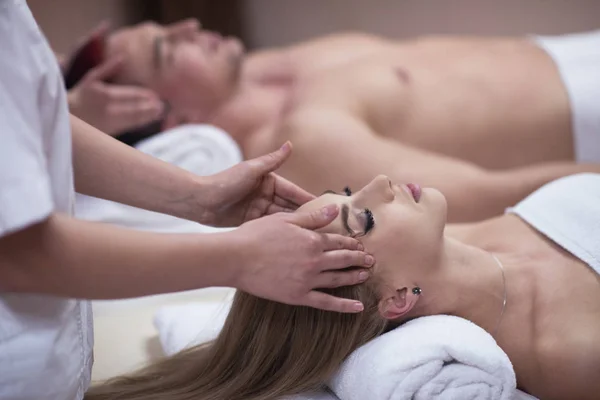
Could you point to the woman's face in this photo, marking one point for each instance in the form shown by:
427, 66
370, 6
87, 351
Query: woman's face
400, 227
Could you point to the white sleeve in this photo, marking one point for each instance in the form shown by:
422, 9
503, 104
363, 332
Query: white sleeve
25, 190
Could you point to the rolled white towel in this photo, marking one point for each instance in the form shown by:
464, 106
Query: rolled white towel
439, 357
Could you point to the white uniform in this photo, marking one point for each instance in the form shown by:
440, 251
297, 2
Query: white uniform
45, 342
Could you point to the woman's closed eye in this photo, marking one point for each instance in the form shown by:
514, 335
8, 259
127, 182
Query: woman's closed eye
370, 221
366, 218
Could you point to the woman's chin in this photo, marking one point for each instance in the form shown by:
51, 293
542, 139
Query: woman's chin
435, 202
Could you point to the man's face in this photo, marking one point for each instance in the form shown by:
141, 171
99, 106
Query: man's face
194, 70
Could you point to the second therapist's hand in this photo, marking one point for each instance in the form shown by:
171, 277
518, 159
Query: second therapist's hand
285, 260
250, 190
112, 108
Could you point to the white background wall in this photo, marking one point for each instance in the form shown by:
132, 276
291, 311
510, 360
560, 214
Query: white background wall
276, 22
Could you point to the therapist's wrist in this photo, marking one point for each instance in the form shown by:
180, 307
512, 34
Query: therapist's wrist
226, 254
197, 207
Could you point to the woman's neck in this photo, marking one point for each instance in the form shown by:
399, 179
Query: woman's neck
469, 284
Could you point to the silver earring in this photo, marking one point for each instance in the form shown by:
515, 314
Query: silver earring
417, 291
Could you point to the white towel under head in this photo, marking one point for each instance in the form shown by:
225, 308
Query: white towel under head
438, 357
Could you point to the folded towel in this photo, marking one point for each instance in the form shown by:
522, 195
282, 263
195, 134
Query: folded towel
439, 357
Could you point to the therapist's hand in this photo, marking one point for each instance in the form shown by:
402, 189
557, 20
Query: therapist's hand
111, 108
250, 190
283, 259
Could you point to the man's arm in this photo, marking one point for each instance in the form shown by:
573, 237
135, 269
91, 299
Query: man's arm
108, 169
334, 149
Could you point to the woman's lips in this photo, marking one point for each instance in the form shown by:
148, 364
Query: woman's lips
415, 190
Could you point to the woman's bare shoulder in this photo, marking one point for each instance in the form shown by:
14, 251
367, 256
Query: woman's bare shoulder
570, 369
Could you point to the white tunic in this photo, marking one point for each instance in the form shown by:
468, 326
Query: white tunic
45, 342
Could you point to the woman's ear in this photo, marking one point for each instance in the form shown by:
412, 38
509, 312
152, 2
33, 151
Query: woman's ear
398, 304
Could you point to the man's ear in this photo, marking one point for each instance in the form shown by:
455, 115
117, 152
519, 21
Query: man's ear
172, 119
400, 303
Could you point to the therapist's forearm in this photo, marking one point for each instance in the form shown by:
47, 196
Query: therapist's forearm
66, 257
109, 169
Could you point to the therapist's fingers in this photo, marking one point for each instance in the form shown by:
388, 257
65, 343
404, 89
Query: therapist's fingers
335, 241
341, 259
261, 166
134, 115
328, 302
100, 30
284, 203
330, 280
291, 192
104, 71
130, 94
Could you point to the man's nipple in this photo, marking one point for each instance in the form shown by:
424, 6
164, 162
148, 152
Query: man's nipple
402, 74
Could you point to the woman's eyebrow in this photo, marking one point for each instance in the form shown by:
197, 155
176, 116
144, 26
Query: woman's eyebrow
345, 213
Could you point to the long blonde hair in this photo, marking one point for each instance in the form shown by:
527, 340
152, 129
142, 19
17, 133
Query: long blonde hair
265, 351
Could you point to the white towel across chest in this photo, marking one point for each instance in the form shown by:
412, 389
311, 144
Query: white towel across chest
567, 211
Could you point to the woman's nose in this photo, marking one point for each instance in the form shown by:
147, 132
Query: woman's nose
383, 181
380, 184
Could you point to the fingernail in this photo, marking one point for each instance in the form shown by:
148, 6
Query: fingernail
363, 276
358, 307
369, 260
285, 146
360, 247
329, 211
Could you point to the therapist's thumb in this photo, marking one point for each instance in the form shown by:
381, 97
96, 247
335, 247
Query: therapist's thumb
106, 70
272, 161
314, 220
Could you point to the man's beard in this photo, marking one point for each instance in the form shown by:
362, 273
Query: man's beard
236, 60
